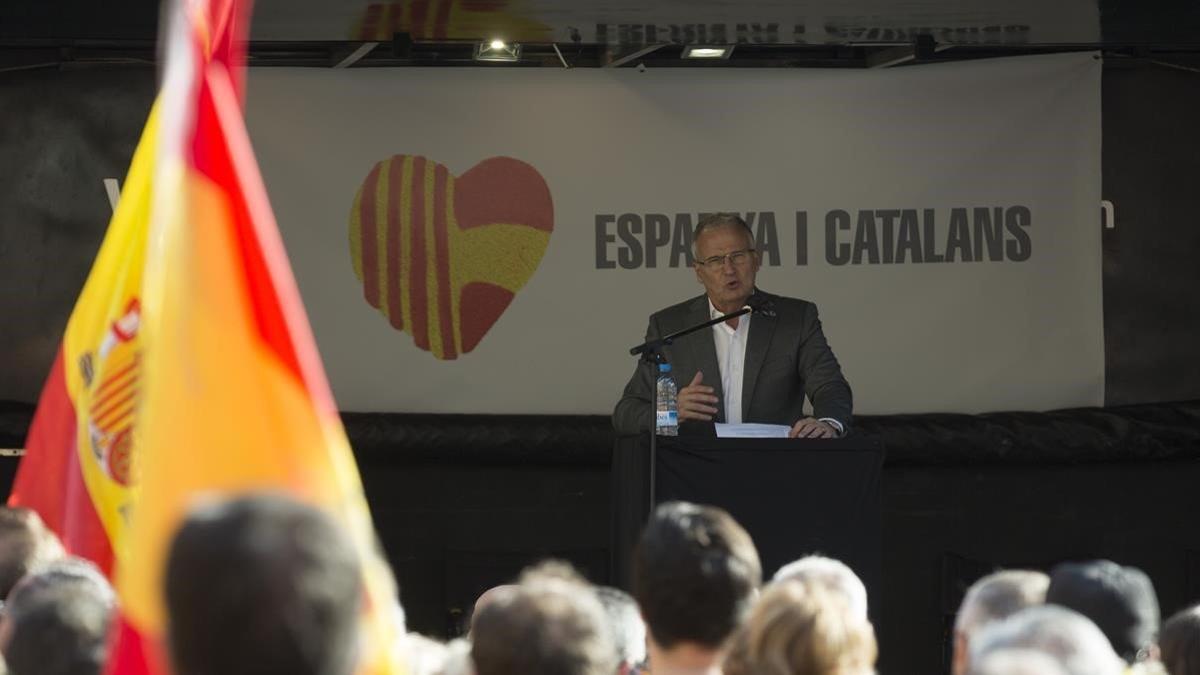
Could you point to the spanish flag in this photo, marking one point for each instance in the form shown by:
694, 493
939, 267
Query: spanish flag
78, 469
192, 314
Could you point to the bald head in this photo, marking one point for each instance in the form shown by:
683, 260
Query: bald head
25, 544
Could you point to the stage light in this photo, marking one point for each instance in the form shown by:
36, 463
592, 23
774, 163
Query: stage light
497, 50
707, 52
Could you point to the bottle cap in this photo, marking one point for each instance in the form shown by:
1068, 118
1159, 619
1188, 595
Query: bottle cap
664, 367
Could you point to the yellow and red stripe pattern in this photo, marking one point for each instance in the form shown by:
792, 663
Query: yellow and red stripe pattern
443, 257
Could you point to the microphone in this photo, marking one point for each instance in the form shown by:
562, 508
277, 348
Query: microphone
760, 304
652, 346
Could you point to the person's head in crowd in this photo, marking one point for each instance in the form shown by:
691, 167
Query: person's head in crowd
834, 575
57, 619
1017, 662
25, 543
1179, 642
485, 598
725, 260
458, 658
550, 623
1120, 600
695, 576
802, 627
626, 627
992, 598
1067, 636
262, 585
422, 655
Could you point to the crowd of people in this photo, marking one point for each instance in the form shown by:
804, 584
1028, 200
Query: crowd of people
265, 585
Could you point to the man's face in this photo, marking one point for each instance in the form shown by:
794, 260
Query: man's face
730, 281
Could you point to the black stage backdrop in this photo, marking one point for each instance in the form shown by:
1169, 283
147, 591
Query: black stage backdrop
1151, 280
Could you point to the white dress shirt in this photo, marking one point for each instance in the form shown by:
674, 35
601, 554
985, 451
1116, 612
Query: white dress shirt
731, 358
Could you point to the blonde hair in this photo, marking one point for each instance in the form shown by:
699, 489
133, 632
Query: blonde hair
801, 628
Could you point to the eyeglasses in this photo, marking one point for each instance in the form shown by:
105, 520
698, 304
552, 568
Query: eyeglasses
737, 258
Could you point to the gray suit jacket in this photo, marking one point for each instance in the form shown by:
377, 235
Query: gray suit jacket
787, 357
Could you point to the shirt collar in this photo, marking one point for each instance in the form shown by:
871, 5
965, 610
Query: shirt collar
713, 312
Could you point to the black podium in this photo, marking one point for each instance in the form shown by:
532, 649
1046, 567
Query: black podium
794, 496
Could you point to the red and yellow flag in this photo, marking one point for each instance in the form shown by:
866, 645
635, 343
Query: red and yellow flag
234, 396
188, 369
78, 466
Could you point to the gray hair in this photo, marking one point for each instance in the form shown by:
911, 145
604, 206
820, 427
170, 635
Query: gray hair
998, 596
1067, 636
625, 624
1017, 662
833, 575
60, 618
713, 221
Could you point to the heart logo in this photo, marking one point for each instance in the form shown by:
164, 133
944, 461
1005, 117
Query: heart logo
443, 257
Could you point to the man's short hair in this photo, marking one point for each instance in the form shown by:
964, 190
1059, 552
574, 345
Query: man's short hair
833, 574
59, 617
998, 596
695, 574
713, 221
1120, 600
802, 626
1067, 636
25, 543
625, 624
265, 585
550, 623
1179, 642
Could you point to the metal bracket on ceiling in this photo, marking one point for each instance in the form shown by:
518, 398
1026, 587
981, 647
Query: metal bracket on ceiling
922, 47
620, 61
353, 57
560, 55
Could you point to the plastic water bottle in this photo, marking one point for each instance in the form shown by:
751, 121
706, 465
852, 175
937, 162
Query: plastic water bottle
667, 421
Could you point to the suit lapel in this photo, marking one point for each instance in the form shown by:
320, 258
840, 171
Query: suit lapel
762, 329
704, 353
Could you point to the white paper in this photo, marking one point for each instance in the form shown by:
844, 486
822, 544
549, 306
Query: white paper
752, 430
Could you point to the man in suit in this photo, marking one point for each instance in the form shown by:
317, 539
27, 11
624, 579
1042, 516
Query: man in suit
754, 368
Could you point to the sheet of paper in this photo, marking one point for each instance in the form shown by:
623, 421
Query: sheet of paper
752, 430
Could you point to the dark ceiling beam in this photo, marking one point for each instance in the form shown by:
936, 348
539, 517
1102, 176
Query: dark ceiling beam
21, 54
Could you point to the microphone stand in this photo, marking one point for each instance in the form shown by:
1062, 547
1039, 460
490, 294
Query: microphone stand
651, 355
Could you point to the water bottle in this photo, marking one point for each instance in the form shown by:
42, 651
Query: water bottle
667, 421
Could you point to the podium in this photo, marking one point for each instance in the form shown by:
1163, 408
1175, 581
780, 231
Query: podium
794, 496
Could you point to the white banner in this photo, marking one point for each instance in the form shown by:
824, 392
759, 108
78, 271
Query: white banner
944, 218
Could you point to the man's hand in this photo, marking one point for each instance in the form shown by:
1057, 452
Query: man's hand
812, 428
696, 401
